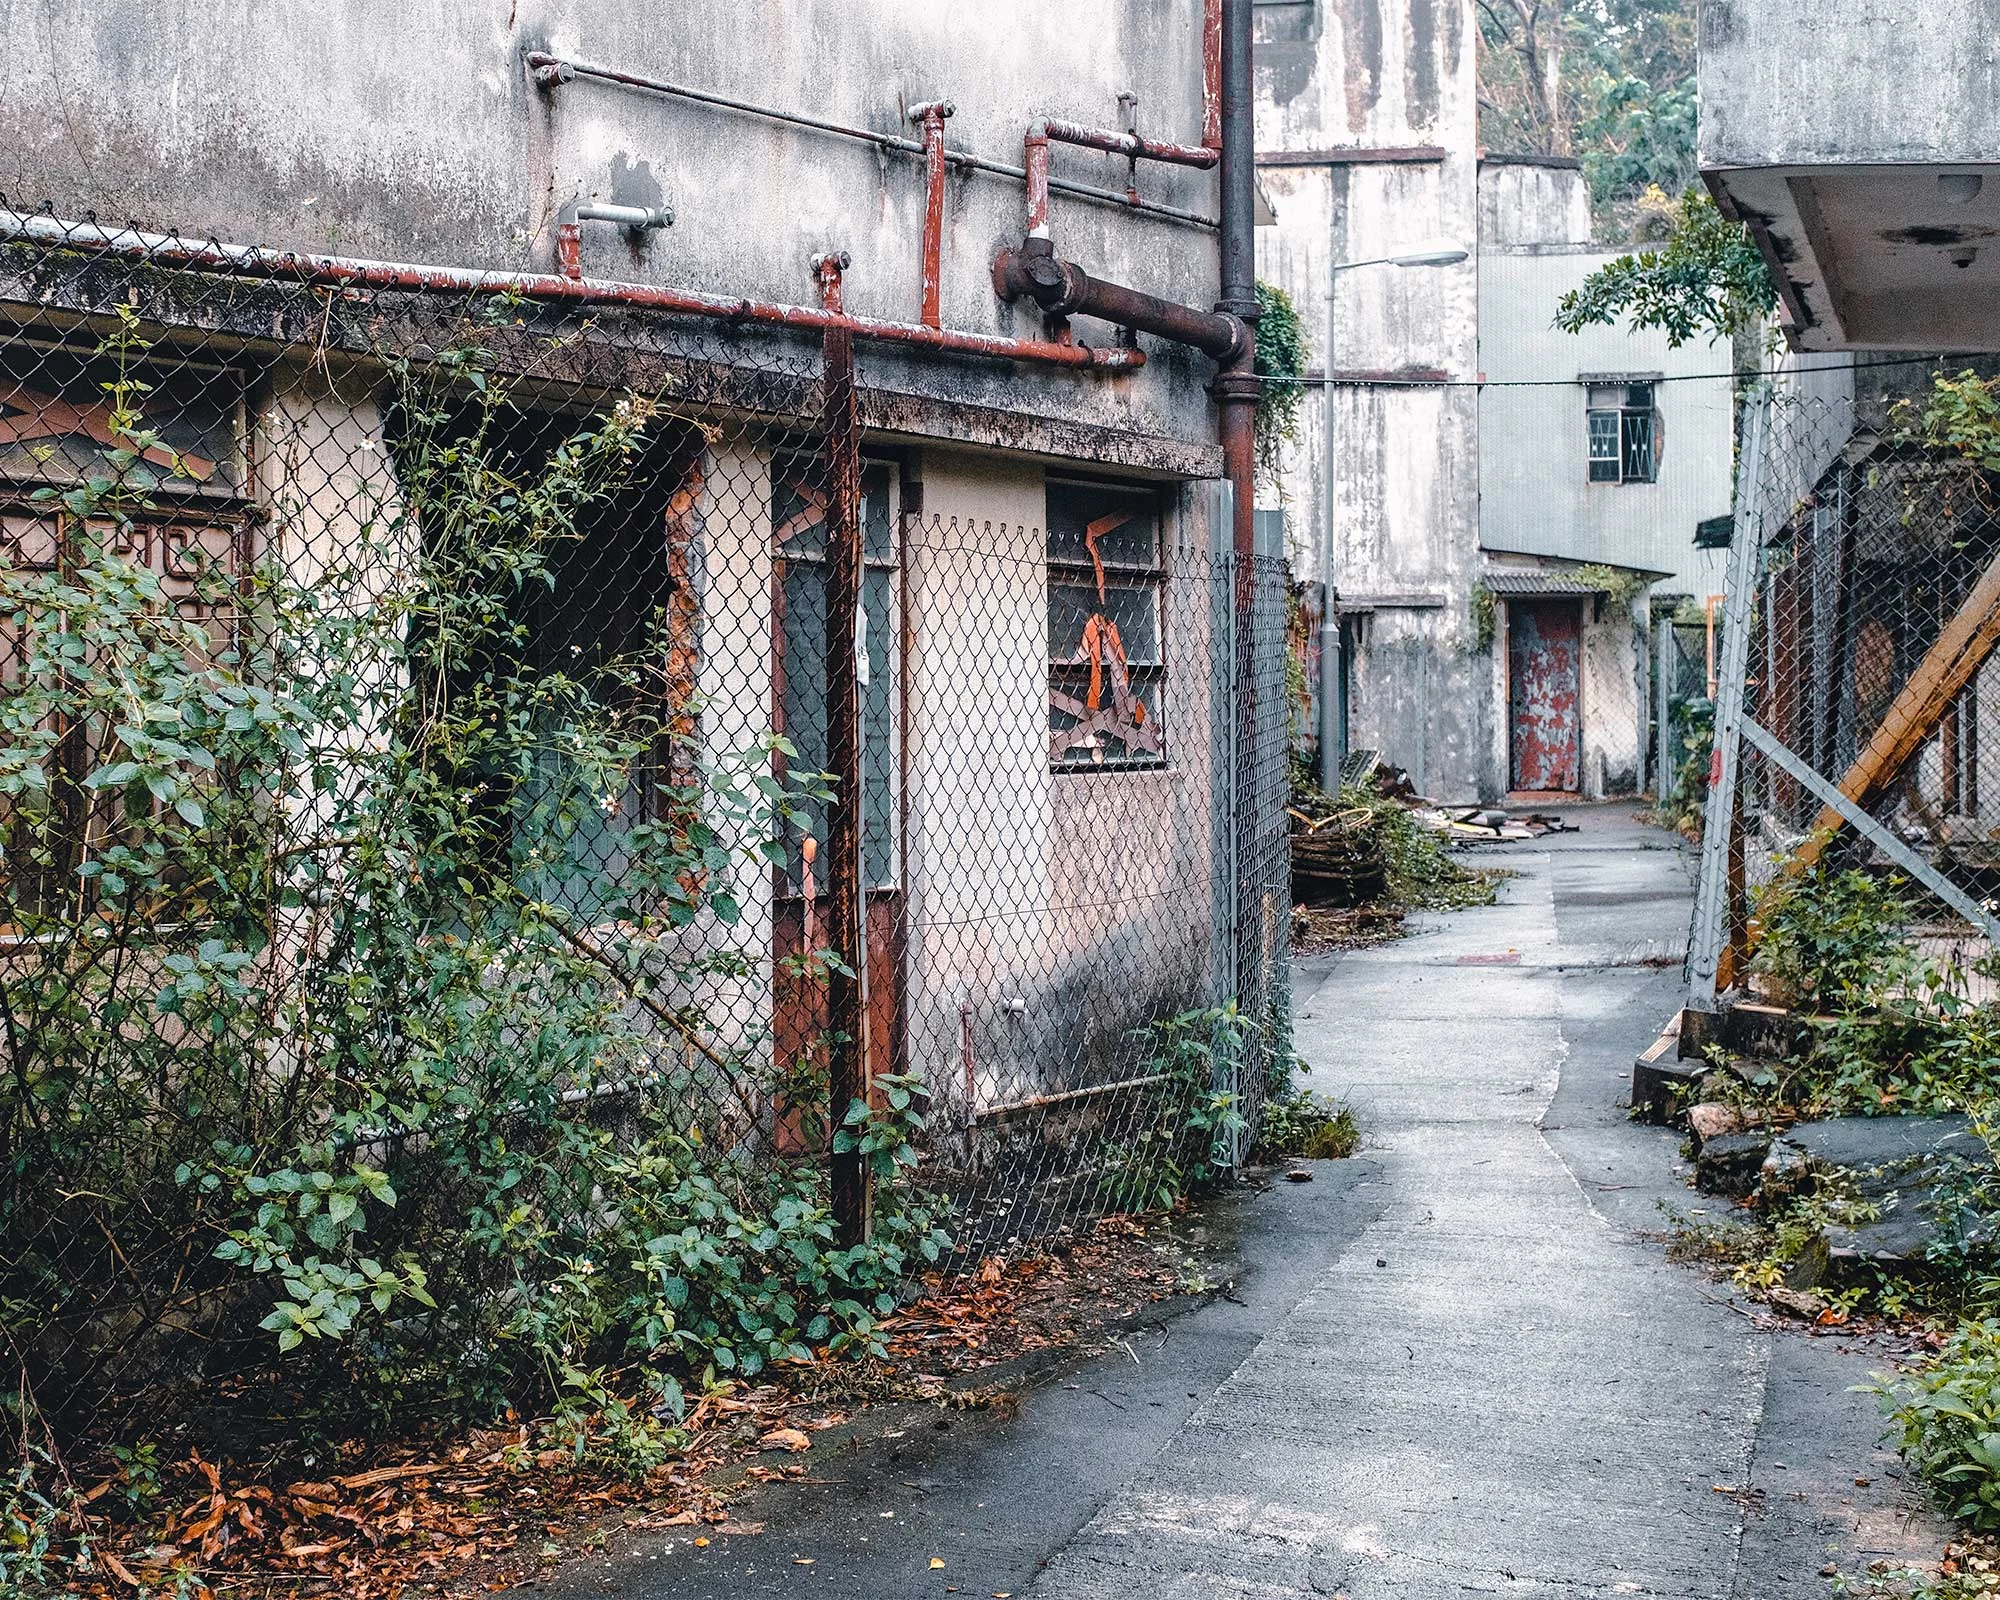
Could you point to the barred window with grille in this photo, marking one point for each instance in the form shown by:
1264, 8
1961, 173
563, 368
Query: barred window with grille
1623, 427
1107, 655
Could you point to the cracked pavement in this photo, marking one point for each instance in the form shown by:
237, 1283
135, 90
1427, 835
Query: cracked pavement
1457, 1365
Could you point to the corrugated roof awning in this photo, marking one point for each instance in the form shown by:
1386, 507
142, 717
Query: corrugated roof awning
1542, 583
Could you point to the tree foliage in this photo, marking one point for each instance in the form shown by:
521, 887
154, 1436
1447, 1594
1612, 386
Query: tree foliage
1611, 82
1706, 277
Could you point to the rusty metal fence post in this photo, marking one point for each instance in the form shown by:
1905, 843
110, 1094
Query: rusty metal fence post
847, 977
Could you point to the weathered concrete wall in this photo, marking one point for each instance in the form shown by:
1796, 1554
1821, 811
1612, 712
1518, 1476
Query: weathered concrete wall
1526, 203
1536, 496
1381, 491
1803, 83
1062, 907
416, 133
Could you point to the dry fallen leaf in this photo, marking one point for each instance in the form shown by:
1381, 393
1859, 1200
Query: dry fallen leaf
785, 1439
935, 1563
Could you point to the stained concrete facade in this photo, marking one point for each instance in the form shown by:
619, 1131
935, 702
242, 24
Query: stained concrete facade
1367, 133
1861, 143
420, 135
1538, 508
1414, 472
1046, 911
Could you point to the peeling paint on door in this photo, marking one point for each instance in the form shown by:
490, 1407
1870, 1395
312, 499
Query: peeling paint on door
1543, 650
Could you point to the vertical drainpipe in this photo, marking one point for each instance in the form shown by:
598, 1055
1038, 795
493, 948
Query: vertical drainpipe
931, 115
1236, 393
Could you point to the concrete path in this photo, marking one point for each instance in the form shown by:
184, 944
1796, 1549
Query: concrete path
1493, 1391
1456, 1366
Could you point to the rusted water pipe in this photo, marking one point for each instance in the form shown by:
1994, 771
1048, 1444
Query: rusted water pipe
344, 272
1130, 144
931, 114
1236, 392
1064, 289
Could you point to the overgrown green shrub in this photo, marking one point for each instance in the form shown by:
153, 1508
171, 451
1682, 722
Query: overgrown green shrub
349, 1072
1835, 939
1177, 1147
1946, 1420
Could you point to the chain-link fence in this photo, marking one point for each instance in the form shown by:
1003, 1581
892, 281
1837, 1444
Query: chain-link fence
1857, 706
515, 816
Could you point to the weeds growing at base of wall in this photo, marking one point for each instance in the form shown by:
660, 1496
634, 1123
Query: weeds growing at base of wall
344, 1090
1301, 1125
1193, 1114
1945, 1419
1682, 807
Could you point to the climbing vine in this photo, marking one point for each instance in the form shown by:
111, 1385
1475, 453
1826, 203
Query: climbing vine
1620, 585
1485, 618
1282, 355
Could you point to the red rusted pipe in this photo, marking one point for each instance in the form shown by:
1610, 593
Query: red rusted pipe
1131, 144
569, 249
344, 272
1064, 289
1211, 74
1035, 159
932, 114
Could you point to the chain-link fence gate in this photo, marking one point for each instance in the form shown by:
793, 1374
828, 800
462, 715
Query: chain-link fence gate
515, 814
1857, 705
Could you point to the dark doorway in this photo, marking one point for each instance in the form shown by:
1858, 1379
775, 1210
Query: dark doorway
1544, 667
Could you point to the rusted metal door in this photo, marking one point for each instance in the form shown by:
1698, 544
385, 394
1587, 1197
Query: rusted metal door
1544, 651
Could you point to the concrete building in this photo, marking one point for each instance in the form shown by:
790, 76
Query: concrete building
1366, 136
1862, 147
1604, 449
1044, 870
1445, 515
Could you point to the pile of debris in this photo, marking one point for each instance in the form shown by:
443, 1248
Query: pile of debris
1338, 858
1474, 824
1364, 858
1895, 1191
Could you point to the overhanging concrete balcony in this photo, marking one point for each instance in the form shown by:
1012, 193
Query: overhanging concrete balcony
1860, 139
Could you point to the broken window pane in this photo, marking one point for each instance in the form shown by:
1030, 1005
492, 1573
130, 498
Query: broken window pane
1107, 652
1637, 459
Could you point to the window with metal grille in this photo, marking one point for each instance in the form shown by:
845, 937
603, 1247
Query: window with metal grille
108, 460
1623, 427
1107, 648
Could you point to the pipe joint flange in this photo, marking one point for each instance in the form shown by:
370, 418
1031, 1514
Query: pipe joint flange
548, 70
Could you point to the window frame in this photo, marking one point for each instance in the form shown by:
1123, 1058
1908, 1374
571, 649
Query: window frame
1630, 411
886, 472
1068, 755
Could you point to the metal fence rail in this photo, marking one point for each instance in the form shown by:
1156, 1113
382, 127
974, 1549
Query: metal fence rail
498, 794
1858, 706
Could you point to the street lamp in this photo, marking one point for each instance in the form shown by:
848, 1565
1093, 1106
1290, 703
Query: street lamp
1332, 721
